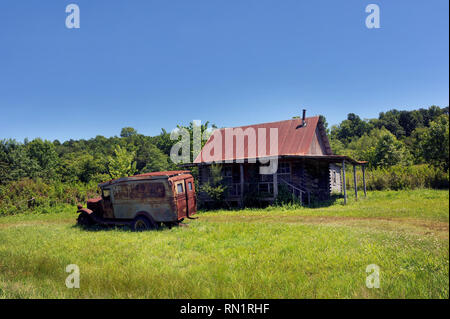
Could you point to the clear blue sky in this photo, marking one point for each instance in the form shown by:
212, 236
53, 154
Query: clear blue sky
154, 64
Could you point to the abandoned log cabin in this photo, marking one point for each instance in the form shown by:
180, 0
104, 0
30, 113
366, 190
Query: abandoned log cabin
300, 152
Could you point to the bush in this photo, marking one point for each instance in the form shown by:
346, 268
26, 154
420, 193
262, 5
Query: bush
28, 195
215, 193
401, 177
285, 197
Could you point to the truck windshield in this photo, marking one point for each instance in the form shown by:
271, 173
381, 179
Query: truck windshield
106, 193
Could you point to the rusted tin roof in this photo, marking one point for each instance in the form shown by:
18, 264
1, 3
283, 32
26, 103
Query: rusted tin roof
164, 174
294, 139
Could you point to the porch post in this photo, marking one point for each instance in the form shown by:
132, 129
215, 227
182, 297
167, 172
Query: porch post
354, 181
241, 167
345, 186
364, 179
275, 185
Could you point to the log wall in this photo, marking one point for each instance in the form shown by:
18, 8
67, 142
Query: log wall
308, 174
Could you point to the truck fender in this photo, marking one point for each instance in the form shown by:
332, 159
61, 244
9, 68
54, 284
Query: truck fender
85, 210
148, 216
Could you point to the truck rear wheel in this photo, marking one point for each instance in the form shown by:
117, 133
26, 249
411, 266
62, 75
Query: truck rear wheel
142, 223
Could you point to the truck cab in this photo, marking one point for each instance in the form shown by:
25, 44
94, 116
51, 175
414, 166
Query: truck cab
143, 201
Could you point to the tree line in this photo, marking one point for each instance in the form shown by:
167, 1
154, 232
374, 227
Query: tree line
394, 138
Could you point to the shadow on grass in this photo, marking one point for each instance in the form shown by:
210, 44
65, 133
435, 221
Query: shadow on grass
97, 227
121, 228
334, 199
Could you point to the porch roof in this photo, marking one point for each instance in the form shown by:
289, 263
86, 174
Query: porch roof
326, 158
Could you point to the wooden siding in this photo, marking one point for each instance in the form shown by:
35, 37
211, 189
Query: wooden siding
317, 146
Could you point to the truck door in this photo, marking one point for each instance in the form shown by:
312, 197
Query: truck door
180, 191
108, 211
190, 195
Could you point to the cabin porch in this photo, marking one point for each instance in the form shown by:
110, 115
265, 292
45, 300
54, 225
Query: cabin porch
307, 179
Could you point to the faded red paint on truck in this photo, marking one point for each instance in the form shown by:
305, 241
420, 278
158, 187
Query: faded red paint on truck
160, 197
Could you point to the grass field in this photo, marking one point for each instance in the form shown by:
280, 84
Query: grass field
269, 253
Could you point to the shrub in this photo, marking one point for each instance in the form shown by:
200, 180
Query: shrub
214, 189
401, 177
30, 195
285, 197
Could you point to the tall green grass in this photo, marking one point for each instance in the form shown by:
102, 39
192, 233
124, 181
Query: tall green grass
260, 253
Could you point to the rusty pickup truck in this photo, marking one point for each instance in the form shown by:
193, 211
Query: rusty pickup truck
144, 201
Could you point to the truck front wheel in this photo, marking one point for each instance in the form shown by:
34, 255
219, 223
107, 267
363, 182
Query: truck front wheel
84, 219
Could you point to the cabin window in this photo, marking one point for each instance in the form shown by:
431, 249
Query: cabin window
265, 188
234, 189
284, 169
190, 186
334, 177
265, 178
227, 171
179, 188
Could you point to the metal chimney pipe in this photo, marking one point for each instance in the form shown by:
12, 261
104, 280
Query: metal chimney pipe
304, 117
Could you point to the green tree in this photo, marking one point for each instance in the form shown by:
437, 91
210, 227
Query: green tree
390, 120
151, 159
163, 142
389, 151
45, 155
127, 132
352, 127
15, 162
409, 121
83, 167
364, 147
323, 121
414, 144
435, 142
205, 131
337, 146
122, 164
